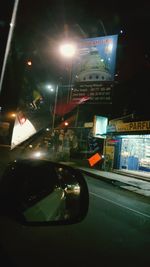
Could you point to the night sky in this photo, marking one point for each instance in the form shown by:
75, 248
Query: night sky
41, 26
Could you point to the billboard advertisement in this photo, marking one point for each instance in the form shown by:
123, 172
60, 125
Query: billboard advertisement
94, 69
95, 92
96, 59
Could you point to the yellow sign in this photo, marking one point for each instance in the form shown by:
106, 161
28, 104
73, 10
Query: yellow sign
109, 151
88, 124
133, 126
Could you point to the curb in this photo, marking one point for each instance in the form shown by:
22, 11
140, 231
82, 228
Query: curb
102, 178
134, 188
136, 176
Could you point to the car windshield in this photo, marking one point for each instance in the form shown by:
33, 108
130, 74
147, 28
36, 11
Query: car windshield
74, 86
74, 97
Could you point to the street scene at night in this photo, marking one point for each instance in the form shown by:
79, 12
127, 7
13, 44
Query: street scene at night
74, 133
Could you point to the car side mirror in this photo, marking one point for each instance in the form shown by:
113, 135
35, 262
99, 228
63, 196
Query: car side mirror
39, 192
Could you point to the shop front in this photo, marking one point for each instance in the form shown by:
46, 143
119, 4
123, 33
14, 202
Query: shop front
130, 143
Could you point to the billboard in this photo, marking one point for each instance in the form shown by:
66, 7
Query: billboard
96, 92
95, 60
94, 69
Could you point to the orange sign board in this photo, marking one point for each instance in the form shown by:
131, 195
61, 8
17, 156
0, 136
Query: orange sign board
94, 159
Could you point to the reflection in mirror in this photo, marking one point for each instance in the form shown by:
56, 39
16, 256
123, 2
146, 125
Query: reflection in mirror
42, 191
50, 208
53, 202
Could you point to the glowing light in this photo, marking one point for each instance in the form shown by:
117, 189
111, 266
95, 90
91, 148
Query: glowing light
13, 115
37, 154
29, 63
67, 50
49, 87
109, 48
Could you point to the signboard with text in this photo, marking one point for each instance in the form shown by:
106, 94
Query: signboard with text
129, 126
100, 93
93, 69
95, 59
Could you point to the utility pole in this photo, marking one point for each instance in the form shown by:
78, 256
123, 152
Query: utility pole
10, 34
55, 104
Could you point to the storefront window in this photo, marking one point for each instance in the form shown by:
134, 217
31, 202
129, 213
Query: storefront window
135, 152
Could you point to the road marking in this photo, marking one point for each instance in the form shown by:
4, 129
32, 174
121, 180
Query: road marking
122, 206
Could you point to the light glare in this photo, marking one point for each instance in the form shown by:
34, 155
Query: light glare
37, 154
67, 50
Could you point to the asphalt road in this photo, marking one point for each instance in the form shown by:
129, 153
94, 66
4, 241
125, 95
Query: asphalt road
115, 232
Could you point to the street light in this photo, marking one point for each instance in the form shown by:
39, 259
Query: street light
9, 40
49, 87
29, 63
68, 51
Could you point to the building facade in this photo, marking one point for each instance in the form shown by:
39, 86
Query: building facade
127, 146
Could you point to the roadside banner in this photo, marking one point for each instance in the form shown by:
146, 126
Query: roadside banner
94, 69
95, 60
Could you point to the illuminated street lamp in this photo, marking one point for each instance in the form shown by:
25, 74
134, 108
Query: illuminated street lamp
66, 123
13, 115
50, 88
68, 50
29, 63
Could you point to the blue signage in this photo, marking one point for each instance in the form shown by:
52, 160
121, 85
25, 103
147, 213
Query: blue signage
95, 60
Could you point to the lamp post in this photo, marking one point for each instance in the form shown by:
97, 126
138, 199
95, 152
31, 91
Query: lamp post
68, 51
51, 88
54, 113
10, 34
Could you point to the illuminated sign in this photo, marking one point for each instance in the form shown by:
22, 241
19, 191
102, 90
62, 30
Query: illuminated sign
96, 59
97, 92
93, 69
141, 125
100, 126
129, 127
